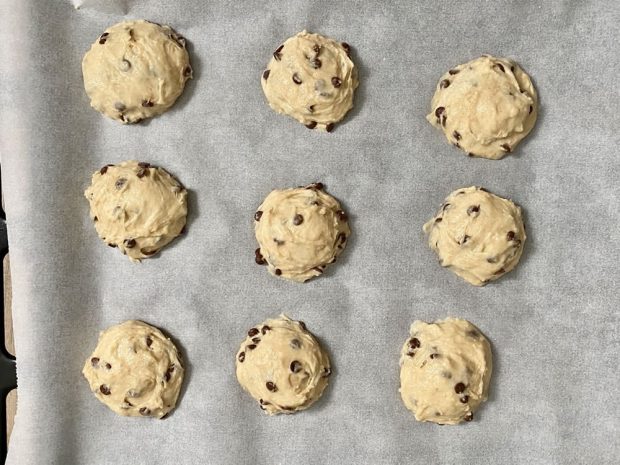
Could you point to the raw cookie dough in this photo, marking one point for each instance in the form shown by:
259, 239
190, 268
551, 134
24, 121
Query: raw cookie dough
445, 368
300, 231
135, 70
485, 107
135, 370
312, 79
282, 365
137, 207
476, 234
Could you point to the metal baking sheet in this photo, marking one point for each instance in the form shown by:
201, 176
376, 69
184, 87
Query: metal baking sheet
553, 322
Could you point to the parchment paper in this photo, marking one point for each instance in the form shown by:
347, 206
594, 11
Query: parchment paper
553, 322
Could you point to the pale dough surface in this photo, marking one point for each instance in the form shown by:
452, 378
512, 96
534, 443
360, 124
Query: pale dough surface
135, 70
476, 234
300, 231
445, 368
312, 79
135, 370
137, 207
485, 107
282, 365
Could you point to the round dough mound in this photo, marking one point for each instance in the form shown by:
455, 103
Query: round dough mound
476, 234
137, 207
135, 70
445, 368
300, 231
135, 370
282, 366
312, 79
485, 107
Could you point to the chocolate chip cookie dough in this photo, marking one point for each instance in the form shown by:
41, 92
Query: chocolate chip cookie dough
312, 79
477, 235
282, 365
135, 370
485, 107
136, 70
137, 207
445, 368
300, 231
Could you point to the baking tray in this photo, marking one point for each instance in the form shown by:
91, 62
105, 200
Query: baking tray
552, 322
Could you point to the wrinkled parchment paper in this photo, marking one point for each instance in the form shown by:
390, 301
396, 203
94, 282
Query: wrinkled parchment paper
553, 322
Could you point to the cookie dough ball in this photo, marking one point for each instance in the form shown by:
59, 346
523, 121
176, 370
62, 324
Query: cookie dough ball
300, 231
445, 368
135, 70
476, 234
137, 207
312, 79
135, 370
282, 366
485, 107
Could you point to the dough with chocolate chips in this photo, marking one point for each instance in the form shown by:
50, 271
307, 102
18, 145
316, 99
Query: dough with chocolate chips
312, 79
445, 368
477, 235
300, 231
135, 70
135, 370
282, 365
485, 107
137, 207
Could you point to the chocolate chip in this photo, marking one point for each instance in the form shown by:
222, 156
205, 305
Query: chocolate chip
144, 164
142, 172
410, 353
257, 215
459, 388
468, 417
94, 361
303, 325
264, 329
465, 239
316, 185
278, 272
327, 371
259, 258
456, 135
510, 235
444, 117
445, 83
256, 340
531, 109
298, 219
278, 241
147, 103
473, 210
311, 125
438, 220
148, 252
336, 82
329, 127
464, 399
129, 243
505, 148
492, 259
414, 342
469, 154
439, 111
434, 356
241, 357
454, 71
251, 347
316, 48
512, 68
500, 67
168, 373
295, 366
112, 245
500, 271
266, 74
149, 341
120, 106
277, 55
482, 189
347, 47
102, 40
253, 332
108, 366
311, 108
295, 343
187, 71
144, 411
315, 63
445, 206
271, 386
105, 390
296, 79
